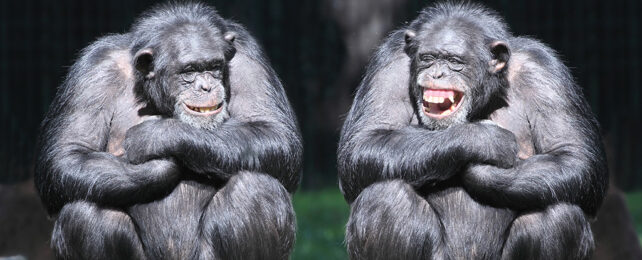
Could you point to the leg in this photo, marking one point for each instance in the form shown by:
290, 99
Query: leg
559, 232
389, 220
86, 231
251, 217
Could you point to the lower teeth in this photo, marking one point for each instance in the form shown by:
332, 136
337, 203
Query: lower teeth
443, 113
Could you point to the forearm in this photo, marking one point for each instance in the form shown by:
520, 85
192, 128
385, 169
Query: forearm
265, 147
540, 181
79, 174
413, 154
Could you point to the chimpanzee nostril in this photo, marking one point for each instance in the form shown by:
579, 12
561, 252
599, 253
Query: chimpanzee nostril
206, 87
437, 74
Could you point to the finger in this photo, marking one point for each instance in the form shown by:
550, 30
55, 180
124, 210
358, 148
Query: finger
118, 153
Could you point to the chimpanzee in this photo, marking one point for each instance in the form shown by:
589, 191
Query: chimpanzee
465, 142
172, 141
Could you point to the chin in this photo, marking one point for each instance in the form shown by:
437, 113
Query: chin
442, 122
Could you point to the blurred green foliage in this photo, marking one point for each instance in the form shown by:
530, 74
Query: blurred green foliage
634, 201
321, 217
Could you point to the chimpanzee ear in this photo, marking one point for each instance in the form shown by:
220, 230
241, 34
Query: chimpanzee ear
229, 52
501, 55
230, 37
144, 62
409, 36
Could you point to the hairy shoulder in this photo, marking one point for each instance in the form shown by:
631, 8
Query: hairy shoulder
103, 69
536, 71
382, 100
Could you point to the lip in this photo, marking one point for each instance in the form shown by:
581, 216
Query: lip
190, 109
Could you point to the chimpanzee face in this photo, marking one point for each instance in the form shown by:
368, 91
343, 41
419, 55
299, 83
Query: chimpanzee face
449, 70
191, 82
201, 92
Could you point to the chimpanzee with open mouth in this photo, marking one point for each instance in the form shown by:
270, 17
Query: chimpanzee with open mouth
465, 142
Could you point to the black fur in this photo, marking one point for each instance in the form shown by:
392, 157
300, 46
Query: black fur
126, 176
421, 189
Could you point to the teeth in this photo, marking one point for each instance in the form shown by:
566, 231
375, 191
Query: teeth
432, 99
202, 109
435, 99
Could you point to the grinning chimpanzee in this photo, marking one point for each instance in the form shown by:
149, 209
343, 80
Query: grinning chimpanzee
428, 176
172, 141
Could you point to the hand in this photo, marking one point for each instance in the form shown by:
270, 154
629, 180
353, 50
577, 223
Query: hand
147, 140
494, 145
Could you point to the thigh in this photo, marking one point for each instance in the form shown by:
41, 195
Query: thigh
560, 231
389, 220
84, 230
251, 217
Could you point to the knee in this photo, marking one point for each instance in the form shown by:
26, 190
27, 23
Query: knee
83, 229
566, 219
384, 198
574, 229
251, 217
76, 211
259, 184
561, 231
571, 215
73, 219
77, 216
258, 194
390, 220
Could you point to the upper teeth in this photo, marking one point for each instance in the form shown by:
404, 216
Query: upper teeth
435, 99
203, 109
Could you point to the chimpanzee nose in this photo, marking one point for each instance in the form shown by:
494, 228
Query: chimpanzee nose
206, 87
437, 74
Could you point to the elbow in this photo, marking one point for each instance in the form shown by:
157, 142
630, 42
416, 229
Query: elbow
595, 179
282, 160
583, 181
591, 176
52, 197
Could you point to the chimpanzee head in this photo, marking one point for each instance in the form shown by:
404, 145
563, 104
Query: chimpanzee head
457, 65
182, 69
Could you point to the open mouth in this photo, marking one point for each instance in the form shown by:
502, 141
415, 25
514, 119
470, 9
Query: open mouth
440, 103
204, 110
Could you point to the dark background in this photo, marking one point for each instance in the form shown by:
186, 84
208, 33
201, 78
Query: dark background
319, 49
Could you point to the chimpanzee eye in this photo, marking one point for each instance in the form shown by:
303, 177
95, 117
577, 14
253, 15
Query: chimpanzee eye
426, 57
454, 60
188, 76
456, 66
217, 73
